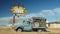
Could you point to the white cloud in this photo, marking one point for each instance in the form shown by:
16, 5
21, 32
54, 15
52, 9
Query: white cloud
42, 13
47, 21
57, 10
5, 18
48, 12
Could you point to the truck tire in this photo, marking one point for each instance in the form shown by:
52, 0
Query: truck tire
43, 30
19, 29
39, 31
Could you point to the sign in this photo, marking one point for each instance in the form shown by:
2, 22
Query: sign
18, 10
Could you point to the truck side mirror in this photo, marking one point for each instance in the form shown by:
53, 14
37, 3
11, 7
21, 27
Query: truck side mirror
28, 22
23, 21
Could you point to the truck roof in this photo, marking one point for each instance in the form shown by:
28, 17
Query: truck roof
41, 18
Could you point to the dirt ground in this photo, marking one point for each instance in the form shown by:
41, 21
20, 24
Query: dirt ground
9, 30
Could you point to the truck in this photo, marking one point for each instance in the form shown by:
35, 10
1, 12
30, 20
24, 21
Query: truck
37, 24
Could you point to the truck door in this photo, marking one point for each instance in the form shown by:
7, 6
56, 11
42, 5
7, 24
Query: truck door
27, 26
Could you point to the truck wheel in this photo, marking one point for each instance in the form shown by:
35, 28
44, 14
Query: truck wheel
39, 30
19, 30
43, 30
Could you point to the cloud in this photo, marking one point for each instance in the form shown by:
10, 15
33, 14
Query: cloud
51, 14
47, 21
42, 13
56, 10
47, 12
5, 18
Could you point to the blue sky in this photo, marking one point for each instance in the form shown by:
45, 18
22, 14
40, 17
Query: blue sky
50, 9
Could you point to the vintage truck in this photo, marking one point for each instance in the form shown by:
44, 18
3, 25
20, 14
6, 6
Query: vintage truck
37, 24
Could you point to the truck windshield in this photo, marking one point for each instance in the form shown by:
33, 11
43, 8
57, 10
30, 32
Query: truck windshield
26, 22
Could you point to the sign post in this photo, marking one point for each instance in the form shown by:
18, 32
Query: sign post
18, 11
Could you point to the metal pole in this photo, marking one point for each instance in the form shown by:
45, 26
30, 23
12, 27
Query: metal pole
14, 19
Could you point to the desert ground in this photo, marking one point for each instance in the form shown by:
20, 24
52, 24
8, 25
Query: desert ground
9, 30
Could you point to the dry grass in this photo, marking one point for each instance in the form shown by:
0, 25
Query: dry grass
8, 30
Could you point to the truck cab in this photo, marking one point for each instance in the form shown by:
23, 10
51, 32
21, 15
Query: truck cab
24, 26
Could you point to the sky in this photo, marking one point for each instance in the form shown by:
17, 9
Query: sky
50, 9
